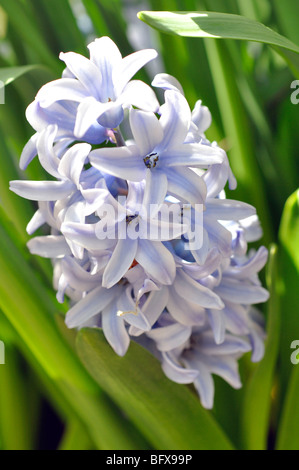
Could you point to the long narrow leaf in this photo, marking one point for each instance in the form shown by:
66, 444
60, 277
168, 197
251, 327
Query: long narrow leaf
30, 308
258, 398
169, 415
28, 30
207, 24
288, 437
9, 74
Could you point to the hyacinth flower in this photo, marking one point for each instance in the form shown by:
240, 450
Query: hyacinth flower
101, 85
63, 115
140, 235
124, 265
159, 146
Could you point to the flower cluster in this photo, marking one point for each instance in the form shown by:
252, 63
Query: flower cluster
143, 241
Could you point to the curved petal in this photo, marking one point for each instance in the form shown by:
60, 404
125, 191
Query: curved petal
200, 255
89, 110
167, 82
155, 191
186, 185
61, 89
128, 309
46, 154
201, 117
185, 311
77, 277
94, 302
85, 235
156, 260
241, 292
85, 71
114, 329
72, 162
170, 337
147, 130
219, 236
175, 119
106, 56
187, 288
217, 322
228, 209
236, 318
113, 115
155, 304
123, 162
120, 261
253, 265
139, 94
197, 155
231, 345
225, 367
129, 65
135, 197
174, 370
203, 383
28, 152
256, 337
212, 262
49, 246
42, 190
37, 220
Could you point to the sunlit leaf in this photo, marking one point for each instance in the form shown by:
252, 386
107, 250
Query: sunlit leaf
215, 25
9, 74
207, 24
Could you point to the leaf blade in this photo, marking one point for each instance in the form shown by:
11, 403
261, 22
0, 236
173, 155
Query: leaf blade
215, 25
9, 74
138, 385
257, 399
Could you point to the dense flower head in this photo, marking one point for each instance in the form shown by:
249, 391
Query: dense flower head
143, 241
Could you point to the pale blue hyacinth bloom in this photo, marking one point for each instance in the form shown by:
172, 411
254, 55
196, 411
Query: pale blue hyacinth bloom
159, 146
192, 308
101, 85
134, 217
115, 310
63, 115
200, 357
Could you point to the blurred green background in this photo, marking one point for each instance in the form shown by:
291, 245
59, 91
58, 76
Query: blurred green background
48, 399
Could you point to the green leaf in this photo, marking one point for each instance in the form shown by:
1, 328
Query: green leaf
15, 420
28, 30
288, 438
207, 24
169, 415
30, 309
75, 437
287, 17
258, 400
242, 155
289, 273
289, 228
9, 74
